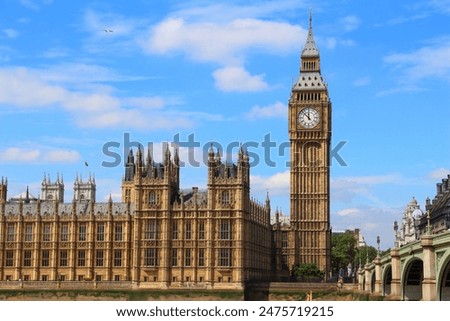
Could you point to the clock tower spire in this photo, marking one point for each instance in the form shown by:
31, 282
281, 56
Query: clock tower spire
310, 138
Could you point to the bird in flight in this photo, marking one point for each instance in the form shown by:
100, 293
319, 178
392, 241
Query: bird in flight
107, 30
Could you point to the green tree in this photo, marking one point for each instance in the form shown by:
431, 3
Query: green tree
343, 247
363, 253
307, 272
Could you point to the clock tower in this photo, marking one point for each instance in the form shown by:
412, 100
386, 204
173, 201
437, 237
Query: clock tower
310, 138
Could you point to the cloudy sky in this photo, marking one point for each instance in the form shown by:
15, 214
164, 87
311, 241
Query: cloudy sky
81, 80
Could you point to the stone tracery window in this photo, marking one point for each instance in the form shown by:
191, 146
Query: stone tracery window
226, 197
11, 233
225, 230
152, 197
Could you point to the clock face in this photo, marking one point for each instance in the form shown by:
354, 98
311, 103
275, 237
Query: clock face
308, 117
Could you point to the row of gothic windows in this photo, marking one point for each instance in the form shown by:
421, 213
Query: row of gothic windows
224, 230
151, 231
150, 257
309, 65
307, 96
64, 232
224, 257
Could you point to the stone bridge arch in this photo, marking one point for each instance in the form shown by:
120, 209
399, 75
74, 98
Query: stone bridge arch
387, 279
443, 277
418, 271
412, 277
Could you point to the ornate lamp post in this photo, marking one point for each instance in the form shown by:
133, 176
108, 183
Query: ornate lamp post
428, 223
378, 245
396, 243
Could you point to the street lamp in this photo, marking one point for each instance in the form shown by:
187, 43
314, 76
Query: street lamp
378, 245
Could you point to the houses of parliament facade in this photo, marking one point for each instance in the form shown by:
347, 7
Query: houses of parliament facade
162, 236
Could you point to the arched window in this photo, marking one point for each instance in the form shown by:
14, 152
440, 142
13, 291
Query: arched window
225, 197
152, 198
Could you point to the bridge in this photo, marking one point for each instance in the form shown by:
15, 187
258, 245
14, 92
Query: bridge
419, 270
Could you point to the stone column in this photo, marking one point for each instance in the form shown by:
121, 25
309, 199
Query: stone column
361, 279
429, 269
378, 276
166, 252
395, 282
368, 279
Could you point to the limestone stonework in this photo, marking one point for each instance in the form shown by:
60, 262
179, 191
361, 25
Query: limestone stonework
158, 237
162, 236
310, 138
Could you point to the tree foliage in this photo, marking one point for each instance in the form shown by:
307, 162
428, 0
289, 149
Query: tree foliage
345, 251
365, 253
343, 246
306, 271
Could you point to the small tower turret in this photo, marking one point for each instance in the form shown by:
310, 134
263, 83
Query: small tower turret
3, 190
84, 191
130, 167
52, 191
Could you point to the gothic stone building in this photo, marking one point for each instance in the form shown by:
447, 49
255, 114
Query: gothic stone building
158, 237
161, 236
416, 223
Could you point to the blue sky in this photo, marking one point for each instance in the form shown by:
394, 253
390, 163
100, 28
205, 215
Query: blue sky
222, 71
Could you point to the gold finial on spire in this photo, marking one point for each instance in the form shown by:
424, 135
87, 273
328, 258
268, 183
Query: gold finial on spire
310, 17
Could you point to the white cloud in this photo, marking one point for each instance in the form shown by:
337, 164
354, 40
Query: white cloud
372, 221
277, 184
38, 155
238, 79
346, 189
222, 43
11, 33
57, 52
332, 42
28, 88
440, 5
277, 110
80, 73
220, 12
35, 4
417, 65
97, 23
60, 156
350, 23
20, 87
439, 173
348, 212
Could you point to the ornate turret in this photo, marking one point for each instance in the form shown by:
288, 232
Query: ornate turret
84, 191
408, 230
3, 190
176, 158
129, 167
53, 191
310, 49
139, 161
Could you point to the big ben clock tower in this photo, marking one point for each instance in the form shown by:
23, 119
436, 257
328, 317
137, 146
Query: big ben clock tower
310, 138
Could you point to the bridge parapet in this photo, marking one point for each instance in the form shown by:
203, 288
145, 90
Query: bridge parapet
417, 270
